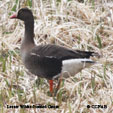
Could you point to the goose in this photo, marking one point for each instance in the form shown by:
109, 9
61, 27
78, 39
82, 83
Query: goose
49, 61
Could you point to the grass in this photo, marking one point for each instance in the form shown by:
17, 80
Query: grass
82, 24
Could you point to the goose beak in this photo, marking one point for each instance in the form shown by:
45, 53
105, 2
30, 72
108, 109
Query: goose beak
13, 16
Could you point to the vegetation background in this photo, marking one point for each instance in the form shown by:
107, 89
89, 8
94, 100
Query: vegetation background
78, 24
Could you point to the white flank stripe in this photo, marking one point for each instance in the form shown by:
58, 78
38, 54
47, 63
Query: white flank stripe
74, 66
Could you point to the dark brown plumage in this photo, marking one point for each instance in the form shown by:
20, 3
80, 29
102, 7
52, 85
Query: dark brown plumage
49, 60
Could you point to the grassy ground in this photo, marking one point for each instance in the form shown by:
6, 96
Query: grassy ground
82, 24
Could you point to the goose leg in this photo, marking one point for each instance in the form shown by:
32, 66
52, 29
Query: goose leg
51, 86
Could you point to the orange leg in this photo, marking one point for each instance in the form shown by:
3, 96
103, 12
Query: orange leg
51, 86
